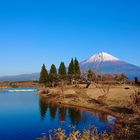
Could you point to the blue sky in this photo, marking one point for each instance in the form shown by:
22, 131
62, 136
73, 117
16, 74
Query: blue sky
33, 32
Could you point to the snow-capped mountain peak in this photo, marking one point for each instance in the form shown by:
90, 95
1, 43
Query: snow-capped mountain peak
105, 63
101, 57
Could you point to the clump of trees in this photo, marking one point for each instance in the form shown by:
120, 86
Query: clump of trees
62, 75
72, 75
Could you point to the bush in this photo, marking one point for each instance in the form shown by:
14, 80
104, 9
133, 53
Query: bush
92, 134
44, 91
135, 99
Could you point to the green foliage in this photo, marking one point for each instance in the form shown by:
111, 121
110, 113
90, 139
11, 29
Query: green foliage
62, 71
43, 75
77, 71
74, 69
71, 69
53, 75
73, 72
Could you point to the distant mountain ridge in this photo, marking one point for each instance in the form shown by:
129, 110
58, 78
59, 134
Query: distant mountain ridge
106, 63
22, 77
101, 62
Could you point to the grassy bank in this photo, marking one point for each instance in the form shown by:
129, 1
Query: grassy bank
118, 103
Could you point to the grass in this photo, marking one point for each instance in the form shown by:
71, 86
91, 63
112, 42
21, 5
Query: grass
123, 133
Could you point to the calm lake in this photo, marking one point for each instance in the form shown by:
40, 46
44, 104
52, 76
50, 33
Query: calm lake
24, 116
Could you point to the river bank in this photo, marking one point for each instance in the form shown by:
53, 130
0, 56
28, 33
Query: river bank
22, 84
117, 103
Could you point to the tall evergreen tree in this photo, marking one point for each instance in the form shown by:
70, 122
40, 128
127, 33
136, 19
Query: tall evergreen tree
62, 71
77, 71
53, 75
71, 69
43, 75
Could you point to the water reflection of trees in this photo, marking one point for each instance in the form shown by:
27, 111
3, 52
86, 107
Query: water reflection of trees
43, 107
62, 113
59, 111
75, 115
100, 115
53, 110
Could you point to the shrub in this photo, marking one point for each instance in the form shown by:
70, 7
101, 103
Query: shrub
135, 99
44, 91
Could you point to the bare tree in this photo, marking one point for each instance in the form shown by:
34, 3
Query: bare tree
91, 77
102, 82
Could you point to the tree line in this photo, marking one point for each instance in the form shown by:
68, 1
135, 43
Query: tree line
54, 76
72, 74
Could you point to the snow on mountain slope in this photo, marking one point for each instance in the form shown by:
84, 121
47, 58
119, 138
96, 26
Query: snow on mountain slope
106, 63
100, 57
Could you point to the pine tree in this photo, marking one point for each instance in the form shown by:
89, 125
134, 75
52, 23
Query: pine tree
43, 75
53, 75
71, 69
62, 71
77, 71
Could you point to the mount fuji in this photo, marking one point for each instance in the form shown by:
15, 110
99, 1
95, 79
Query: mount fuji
106, 63
101, 62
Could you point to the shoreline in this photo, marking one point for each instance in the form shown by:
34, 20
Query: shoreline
86, 108
71, 98
85, 99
